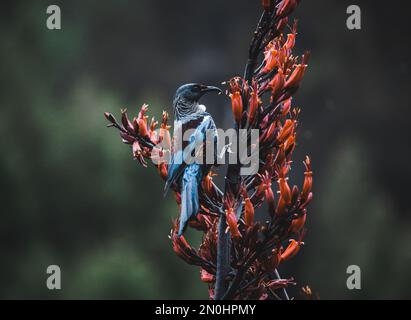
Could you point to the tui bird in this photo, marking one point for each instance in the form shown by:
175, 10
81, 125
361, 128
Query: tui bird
188, 175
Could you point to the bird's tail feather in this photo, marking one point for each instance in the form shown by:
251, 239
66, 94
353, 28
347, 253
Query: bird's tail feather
189, 201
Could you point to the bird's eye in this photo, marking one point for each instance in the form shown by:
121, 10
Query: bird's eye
196, 88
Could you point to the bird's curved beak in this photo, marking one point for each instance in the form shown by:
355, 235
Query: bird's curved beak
206, 89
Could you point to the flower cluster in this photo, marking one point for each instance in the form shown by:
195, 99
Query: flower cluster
147, 141
263, 100
264, 103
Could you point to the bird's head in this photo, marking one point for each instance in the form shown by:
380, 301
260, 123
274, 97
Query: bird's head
192, 92
187, 97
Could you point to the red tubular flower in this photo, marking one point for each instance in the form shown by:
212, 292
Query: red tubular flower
138, 153
269, 163
281, 24
135, 126
110, 118
254, 104
208, 184
181, 247
283, 56
277, 84
232, 223
269, 196
126, 122
280, 283
142, 121
237, 105
291, 250
296, 77
153, 133
308, 180
207, 277
164, 133
136, 149
211, 293
126, 138
285, 190
286, 107
286, 7
177, 196
298, 224
281, 206
202, 222
286, 131
162, 169
289, 144
307, 201
269, 135
268, 193
271, 60
260, 189
273, 261
290, 43
248, 210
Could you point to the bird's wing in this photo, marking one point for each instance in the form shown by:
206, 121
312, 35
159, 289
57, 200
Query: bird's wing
179, 158
175, 170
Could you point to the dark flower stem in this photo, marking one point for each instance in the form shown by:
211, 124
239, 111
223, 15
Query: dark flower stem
223, 259
233, 179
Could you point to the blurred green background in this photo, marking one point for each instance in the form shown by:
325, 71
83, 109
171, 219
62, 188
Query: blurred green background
72, 196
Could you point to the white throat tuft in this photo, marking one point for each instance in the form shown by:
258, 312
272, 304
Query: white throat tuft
202, 108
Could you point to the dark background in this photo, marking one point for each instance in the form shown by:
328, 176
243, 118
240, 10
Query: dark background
72, 196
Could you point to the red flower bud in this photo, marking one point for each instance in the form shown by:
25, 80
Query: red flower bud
285, 190
296, 77
126, 138
162, 169
110, 117
291, 250
248, 210
289, 144
135, 126
136, 149
308, 180
254, 104
295, 194
271, 262
177, 196
281, 24
290, 43
269, 196
237, 105
307, 201
286, 7
298, 224
277, 84
286, 107
126, 122
208, 184
138, 153
281, 206
260, 190
271, 59
207, 277
286, 131
142, 121
232, 223
153, 133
